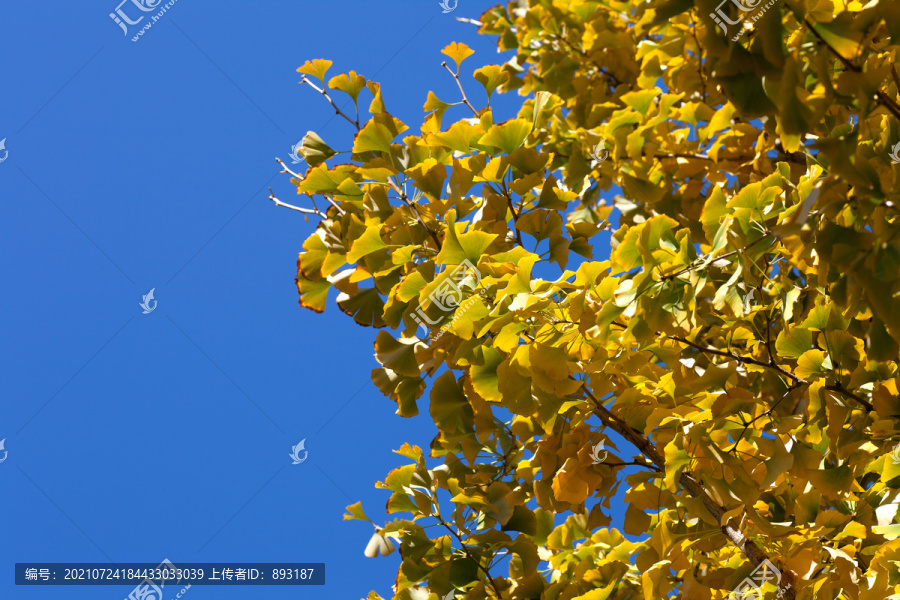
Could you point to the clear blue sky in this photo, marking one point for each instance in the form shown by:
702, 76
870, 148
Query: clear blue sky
133, 166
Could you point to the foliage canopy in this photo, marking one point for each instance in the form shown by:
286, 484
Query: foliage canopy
742, 335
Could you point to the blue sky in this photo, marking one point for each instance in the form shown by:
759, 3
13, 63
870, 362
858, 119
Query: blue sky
136, 165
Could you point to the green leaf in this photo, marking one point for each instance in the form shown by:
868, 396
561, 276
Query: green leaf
398, 355
355, 511
459, 246
841, 35
713, 210
378, 134
792, 343
370, 241
315, 150
677, 459
448, 402
366, 307
812, 362
491, 77
507, 136
433, 103
313, 292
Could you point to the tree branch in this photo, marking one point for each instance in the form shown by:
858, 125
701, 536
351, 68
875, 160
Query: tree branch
308, 211
797, 381
753, 552
701, 260
405, 199
883, 98
330, 101
462, 91
478, 564
299, 177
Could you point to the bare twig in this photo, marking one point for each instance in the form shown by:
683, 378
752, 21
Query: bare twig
298, 177
462, 91
337, 110
468, 554
308, 211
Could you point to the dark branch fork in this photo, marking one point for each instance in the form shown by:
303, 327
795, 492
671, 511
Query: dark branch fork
688, 481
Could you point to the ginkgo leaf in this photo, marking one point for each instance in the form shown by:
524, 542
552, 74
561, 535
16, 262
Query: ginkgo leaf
378, 134
316, 67
491, 77
314, 149
367, 243
349, 83
684, 236
507, 136
355, 511
458, 52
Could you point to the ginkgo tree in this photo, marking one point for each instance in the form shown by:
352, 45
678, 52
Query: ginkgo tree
688, 236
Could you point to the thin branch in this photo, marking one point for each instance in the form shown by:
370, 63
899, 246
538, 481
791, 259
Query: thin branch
465, 549
883, 98
635, 463
405, 199
298, 177
462, 91
702, 260
470, 21
287, 170
699, 57
337, 110
308, 211
761, 415
584, 54
834, 387
741, 359
514, 214
753, 552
